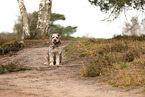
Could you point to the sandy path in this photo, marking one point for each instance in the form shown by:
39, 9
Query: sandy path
43, 81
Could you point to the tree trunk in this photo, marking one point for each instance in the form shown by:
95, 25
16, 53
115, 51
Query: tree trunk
26, 31
44, 17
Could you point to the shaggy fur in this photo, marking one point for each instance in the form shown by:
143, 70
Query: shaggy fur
55, 50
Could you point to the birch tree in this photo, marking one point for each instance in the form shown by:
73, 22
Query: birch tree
44, 16
26, 30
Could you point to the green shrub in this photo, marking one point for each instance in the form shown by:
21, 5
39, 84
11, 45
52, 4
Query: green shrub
10, 46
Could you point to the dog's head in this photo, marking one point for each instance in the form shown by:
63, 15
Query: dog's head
55, 38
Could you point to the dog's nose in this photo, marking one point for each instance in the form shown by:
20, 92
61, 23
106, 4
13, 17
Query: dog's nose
55, 40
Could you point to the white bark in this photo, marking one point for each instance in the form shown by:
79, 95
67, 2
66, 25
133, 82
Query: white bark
44, 16
25, 19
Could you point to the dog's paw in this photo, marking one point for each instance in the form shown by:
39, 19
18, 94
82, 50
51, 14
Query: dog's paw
57, 64
46, 63
51, 64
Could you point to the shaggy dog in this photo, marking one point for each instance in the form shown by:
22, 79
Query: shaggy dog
55, 50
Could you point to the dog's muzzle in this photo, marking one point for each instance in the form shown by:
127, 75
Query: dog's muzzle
55, 42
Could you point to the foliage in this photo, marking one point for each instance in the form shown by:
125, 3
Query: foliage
117, 6
65, 32
55, 16
10, 46
8, 42
32, 20
133, 28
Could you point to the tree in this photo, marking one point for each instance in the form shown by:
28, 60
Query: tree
43, 17
53, 28
25, 19
69, 30
117, 6
132, 28
63, 31
32, 22
55, 17
143, 27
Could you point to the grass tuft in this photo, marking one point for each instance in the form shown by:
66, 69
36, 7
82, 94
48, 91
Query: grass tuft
11, 67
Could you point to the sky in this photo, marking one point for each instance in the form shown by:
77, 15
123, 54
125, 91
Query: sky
78, 13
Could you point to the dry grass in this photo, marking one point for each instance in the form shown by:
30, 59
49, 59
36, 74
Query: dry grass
11, 67
121, 62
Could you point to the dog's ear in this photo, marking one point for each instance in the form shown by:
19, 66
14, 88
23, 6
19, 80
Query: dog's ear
59, 36
50, 37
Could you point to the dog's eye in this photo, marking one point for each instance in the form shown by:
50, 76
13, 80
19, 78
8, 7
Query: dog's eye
57, 37
52, 37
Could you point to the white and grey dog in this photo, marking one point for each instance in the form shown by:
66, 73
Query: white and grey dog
55, 50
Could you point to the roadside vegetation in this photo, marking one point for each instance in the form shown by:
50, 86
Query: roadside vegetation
12, 67
9, 43
118, 61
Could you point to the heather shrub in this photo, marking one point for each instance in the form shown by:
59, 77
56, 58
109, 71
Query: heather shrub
109, 55
118, 61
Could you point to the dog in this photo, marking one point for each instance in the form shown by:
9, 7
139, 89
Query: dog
55, 50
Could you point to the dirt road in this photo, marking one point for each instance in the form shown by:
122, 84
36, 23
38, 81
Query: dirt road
44, 81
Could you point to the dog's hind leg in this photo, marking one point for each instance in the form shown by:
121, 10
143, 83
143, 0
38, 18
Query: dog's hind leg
60, 56
54, 58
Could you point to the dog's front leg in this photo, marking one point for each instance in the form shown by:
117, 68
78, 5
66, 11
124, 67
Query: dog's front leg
51, 61
57, 59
